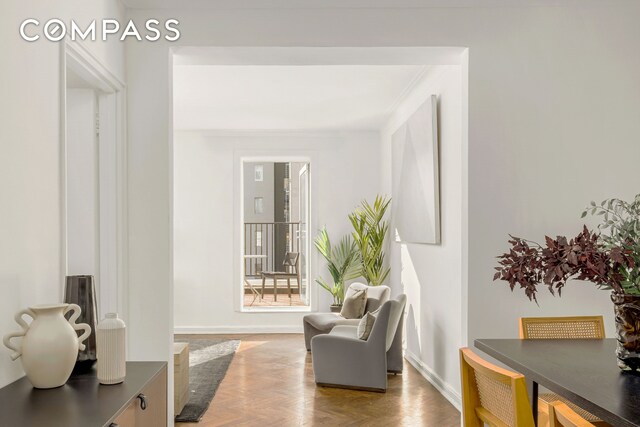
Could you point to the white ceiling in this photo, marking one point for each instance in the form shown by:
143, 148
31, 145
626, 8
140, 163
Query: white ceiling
316, 97
326, 4
246, 55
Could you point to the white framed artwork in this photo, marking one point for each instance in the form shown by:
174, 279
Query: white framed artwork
415, 177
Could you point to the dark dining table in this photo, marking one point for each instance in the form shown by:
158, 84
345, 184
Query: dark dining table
582, 371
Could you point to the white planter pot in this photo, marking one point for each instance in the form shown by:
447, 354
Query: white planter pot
50, 344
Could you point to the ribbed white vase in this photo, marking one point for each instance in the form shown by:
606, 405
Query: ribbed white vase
110, 344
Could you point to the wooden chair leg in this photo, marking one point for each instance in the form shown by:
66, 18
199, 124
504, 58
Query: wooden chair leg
256, 294
289, 286
264, 279
275, 289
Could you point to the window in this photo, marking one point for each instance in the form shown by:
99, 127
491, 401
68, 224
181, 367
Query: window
258, 172
276, 221
258, 205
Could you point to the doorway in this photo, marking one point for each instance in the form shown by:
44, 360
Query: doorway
230, 106
275, 221
93, 160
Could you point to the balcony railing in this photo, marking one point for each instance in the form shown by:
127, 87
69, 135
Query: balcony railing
265, 244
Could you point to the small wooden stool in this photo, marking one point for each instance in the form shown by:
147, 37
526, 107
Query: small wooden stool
180, 375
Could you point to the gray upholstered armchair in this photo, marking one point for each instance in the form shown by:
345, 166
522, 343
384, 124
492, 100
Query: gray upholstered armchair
323, 323
340, 359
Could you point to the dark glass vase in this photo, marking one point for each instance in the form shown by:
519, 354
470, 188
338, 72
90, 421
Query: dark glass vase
81, 290
627, 312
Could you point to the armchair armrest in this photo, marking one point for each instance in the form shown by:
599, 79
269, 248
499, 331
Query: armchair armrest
349, 331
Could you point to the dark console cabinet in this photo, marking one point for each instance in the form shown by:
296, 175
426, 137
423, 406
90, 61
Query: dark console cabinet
141, 401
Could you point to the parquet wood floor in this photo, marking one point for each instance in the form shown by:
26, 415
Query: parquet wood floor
270, 383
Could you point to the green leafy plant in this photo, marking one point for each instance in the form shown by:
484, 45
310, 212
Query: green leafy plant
343, 263
620, 228
369, 233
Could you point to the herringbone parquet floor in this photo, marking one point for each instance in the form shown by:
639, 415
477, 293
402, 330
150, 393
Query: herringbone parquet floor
270, 383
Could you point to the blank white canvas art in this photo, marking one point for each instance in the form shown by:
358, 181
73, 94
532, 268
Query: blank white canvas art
416, 190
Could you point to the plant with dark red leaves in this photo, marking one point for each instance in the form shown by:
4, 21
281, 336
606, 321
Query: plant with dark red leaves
529, 264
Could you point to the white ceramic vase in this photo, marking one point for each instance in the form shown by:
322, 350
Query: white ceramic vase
111, 339
50, 343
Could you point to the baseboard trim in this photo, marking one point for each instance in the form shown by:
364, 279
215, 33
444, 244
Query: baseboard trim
249, 329
445, 389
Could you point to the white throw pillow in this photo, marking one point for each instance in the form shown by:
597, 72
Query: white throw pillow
354, 304
365, 326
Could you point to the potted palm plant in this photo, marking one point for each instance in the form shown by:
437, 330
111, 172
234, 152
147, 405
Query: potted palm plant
609, 258
343, 263
369, 232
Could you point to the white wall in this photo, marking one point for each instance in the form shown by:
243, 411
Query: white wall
344, 170
30, 179
431, 275
553, 105
551, 127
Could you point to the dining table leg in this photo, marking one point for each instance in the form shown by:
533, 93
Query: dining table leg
534, 402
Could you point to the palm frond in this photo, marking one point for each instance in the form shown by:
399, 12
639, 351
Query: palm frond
343, 263
369, 232
323, 243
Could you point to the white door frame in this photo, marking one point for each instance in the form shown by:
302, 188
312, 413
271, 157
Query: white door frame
306, 169
111, 100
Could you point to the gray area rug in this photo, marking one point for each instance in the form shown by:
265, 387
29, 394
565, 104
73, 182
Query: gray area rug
209, 360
